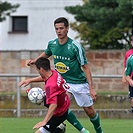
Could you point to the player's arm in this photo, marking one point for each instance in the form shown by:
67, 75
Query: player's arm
123, 76
130, 81
48, 116
31, 62
124, 81
87, 72
31, 80
83, 62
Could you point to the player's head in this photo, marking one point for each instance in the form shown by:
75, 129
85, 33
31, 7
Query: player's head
61, 25
42, 64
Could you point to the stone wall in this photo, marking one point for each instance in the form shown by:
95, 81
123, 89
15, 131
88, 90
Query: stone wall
102, 62
115, 107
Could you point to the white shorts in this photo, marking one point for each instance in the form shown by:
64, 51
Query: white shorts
81, 94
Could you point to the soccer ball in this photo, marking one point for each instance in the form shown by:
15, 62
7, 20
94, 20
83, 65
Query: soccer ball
36, 95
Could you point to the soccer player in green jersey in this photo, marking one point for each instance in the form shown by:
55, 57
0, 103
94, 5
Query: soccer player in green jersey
129, 69
70, 61
127, 62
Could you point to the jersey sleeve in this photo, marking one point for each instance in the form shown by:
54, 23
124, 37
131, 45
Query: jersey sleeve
48, 49
128, 69
80, 53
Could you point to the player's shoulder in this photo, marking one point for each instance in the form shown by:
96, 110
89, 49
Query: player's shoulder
54, 76
53, 41
75, 44
57, 78
55, 73
129, 52
130, 59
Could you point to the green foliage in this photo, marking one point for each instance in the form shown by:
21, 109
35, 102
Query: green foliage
103, 24
6, 9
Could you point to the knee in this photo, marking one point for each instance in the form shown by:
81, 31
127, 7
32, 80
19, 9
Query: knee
90, 111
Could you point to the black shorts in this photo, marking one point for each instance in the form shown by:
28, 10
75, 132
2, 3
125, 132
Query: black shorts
130, 91
55, 121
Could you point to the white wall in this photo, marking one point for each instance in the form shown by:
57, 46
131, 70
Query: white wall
41, 14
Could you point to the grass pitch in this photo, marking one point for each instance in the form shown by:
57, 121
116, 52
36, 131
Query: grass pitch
24, 125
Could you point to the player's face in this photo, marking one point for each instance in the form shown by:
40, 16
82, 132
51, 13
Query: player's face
40, 72
61, 30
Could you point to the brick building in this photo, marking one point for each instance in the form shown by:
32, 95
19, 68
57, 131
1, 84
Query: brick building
31, 26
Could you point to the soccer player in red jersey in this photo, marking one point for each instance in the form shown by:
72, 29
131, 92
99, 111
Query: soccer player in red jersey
56, 97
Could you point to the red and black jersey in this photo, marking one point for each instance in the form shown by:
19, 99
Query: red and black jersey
56, 93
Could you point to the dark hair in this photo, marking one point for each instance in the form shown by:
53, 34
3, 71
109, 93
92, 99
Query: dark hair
62, 20
43, 63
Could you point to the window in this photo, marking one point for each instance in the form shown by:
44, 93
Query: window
19, 24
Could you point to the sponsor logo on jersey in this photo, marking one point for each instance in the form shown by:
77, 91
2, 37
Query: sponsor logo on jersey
61, 57
61, 67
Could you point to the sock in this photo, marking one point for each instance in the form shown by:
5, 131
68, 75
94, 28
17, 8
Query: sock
96, 123
73, 120
131, 109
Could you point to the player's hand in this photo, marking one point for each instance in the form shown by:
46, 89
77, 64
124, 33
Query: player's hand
39, 124
25, 83
131, 83
93, 94
30, 62
124, 81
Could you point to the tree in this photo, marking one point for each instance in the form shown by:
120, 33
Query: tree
6, 9
103, 24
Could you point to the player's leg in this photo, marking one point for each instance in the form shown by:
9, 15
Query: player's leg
62, 127
131, 96
94, 118
54, 122
132, 105
83, 99
71, 118
42, 130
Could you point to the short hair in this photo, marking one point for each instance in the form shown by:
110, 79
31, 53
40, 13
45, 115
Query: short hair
43, 63
62, 20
